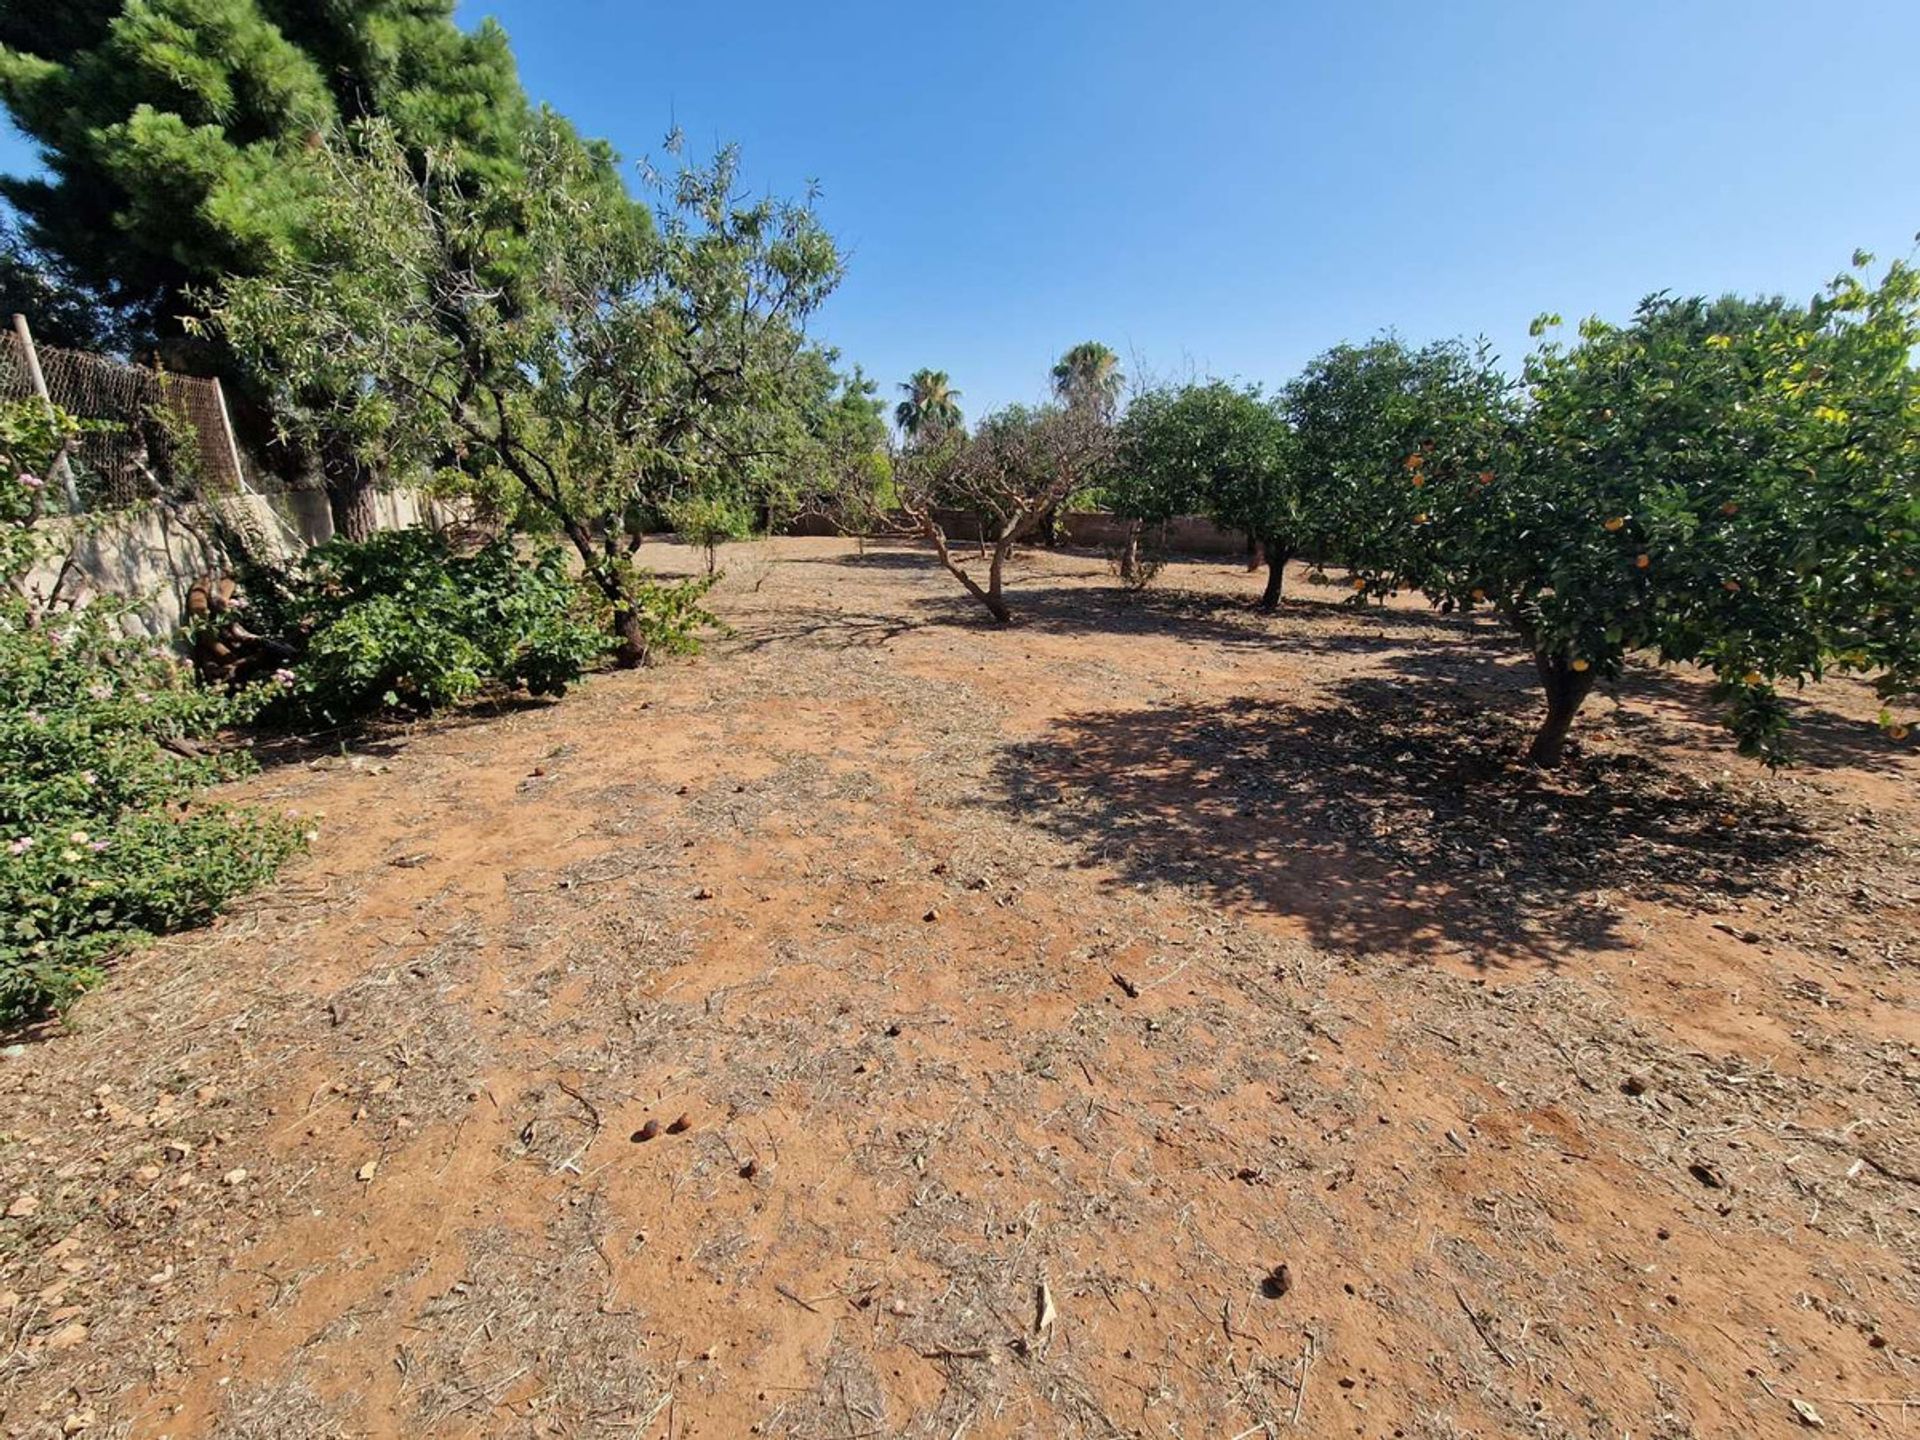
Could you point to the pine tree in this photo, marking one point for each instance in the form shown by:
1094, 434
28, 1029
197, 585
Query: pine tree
182, 140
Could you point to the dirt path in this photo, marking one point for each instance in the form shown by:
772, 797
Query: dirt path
1082, 973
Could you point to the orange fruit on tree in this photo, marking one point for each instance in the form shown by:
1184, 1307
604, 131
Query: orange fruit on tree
1643, 561
1478, 593
1486, 477
1581, 667
1418, 481
1732, 587
1754, 677
1616, 524
1359, 584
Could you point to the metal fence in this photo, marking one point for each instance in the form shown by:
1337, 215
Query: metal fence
145, 430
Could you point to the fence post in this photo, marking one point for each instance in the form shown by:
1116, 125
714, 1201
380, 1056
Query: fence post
226, 428
296, 542
62, 471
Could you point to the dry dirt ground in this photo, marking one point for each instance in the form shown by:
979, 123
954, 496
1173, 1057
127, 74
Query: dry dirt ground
1030, 998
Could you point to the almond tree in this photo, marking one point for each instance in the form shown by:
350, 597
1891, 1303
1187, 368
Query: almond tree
630, 368
1019, 465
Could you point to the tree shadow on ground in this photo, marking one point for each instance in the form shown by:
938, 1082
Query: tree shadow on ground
1300, 625
828, 629
890, 555
1389, 817
1650, 703
385, 736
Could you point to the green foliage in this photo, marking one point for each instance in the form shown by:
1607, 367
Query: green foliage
931, 410
670, 617
402, 621
1089, 374
839, 466
637, 367
1211, 449
179, 133
1373, 425
186, 142
710, 520
33, 437
103, 747
1728, 483
1224, 452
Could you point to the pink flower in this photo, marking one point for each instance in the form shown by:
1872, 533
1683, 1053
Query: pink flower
21, 846
98, 846
284, 679
31, 482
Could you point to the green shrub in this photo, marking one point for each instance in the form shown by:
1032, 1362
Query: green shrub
668, 615
103, 747
709, 521
401, 621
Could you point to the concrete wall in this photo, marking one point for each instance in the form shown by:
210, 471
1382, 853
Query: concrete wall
153, 558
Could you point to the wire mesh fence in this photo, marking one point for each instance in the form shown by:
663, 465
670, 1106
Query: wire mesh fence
145, 431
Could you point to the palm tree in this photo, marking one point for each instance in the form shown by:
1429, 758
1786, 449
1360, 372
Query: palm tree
931, 408
1089, 374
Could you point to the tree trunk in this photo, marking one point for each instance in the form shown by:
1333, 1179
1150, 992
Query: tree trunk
1276, 574
350, 490
1567, 689
996, 605
988, 596
1130, 554
630, 634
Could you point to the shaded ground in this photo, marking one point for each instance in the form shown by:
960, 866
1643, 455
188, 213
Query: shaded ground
1091, 969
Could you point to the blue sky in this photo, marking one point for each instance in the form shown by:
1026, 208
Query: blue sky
1230, 186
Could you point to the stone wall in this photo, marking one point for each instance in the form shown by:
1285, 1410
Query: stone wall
153, 558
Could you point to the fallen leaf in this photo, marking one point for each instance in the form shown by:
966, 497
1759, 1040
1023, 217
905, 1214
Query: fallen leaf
1809, 1416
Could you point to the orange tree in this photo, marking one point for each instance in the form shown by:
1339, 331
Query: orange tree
1730, 483
1373, 426
1220, 450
